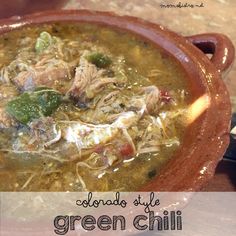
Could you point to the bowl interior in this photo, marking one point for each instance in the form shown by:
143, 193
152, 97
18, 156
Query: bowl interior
206, 138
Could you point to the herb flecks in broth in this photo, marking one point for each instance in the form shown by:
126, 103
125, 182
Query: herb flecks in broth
83, 107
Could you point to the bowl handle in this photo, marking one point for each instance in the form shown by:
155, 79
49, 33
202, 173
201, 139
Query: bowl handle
219, 45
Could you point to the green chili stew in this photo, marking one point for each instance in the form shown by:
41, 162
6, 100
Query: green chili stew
83, 107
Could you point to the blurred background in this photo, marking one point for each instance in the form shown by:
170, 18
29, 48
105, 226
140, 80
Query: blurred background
215, 16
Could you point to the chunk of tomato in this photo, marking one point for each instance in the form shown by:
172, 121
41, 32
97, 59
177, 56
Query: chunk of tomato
165, 96
126, 150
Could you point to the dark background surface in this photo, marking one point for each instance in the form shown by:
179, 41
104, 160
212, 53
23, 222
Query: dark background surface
19, 7
225, 177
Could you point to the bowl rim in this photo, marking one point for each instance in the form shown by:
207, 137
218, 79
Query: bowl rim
198, 159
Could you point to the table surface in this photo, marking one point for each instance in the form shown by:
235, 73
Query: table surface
216, 16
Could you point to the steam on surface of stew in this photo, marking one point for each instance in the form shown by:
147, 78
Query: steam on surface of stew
83, 107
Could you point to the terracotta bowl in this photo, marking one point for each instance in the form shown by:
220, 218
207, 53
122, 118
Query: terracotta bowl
207, 138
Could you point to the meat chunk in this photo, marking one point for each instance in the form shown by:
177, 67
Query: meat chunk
88, 81
148, 101
53, 76
84, 75
44, 131
152, 99
5, 120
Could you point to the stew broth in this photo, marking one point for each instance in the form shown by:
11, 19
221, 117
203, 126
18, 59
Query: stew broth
104, 110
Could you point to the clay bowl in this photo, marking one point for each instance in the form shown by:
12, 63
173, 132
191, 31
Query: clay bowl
207, 137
